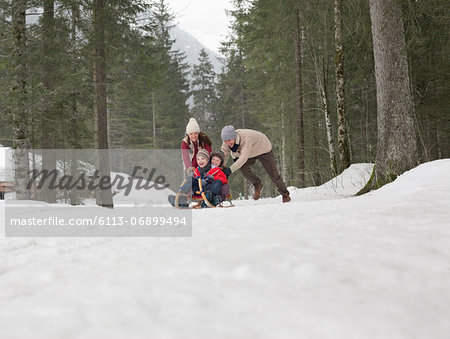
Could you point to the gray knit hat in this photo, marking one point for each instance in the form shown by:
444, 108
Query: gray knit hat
228, 133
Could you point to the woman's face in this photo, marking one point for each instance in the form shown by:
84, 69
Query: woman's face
193, 136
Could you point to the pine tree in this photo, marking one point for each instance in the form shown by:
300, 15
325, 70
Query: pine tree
148, 96
19, 97
204, 95
299, 95
171, 94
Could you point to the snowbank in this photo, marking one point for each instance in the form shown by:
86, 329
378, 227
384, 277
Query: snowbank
346, 184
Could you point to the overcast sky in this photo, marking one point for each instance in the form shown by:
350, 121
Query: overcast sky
204, 19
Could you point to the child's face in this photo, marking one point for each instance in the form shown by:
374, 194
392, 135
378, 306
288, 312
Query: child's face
201, 161
215, 161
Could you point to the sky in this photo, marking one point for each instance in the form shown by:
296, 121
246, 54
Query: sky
206, 20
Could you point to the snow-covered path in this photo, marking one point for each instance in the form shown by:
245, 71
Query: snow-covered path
322, 266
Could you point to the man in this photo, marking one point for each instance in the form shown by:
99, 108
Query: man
245, 147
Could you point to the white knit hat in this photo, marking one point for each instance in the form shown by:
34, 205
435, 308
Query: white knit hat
192, 126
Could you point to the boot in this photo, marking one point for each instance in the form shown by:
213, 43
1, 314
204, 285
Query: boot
216, 200
258, 189
209, 198
286, 197
182, 201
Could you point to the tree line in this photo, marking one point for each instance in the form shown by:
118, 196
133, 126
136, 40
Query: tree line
310, 74
340, 82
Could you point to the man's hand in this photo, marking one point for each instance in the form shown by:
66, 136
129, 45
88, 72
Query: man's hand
227, 171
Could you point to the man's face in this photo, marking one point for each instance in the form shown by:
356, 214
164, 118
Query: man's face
201, 161
230, 143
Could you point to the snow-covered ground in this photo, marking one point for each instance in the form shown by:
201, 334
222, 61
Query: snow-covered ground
326, 265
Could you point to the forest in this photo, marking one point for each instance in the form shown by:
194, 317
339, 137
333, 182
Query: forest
331, 83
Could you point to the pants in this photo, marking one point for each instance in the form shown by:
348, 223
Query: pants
224, 191
191, 185
269, 164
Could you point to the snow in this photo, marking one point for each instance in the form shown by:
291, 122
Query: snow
5, 170
326, 265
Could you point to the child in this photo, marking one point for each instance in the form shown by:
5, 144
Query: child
217, 158
212, 179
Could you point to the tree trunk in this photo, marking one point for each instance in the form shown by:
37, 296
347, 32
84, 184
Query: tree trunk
283, 144
19, 95
242, 104
397, 143
321, 83
153, 119
433, 136
299, 98
316, 176
104, 196
344, 153
368, 151
74, 196
48, 127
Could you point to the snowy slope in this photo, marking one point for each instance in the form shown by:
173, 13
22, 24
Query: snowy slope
326, 265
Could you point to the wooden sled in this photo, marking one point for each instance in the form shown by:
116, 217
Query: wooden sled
199, 197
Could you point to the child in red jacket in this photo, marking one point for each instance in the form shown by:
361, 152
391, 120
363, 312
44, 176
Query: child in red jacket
217, 159
212, 179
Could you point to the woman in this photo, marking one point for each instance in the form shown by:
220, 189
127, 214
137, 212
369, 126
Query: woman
192, 143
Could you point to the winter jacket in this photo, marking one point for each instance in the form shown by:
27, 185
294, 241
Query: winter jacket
189, 152
251, 144
216, 172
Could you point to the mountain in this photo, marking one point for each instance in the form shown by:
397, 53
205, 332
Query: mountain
186, 43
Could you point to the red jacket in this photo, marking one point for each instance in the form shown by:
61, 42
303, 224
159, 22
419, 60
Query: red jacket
216, 172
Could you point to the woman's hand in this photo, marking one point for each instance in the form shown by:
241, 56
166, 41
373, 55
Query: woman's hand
190, 171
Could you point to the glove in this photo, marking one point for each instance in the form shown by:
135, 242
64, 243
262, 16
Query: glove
209, 178
227, 171
204, 182
190, 171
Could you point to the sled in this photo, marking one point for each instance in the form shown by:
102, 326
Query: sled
198, 198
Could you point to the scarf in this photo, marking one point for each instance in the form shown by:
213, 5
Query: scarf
204, 170
234, 148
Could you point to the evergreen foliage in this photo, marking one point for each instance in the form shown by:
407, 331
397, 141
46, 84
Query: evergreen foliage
259, 53
47, 88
